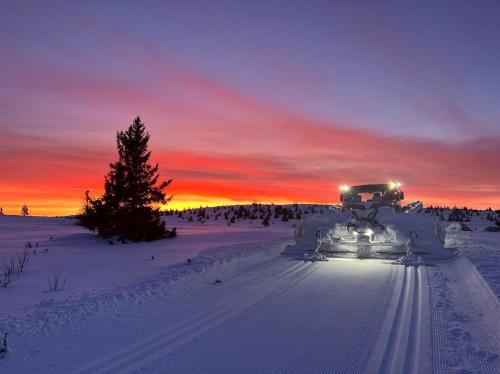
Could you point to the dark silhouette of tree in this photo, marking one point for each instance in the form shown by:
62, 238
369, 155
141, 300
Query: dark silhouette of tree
132, 192
24, 210
1, 211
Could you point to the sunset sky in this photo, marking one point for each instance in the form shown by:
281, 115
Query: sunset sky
270, 101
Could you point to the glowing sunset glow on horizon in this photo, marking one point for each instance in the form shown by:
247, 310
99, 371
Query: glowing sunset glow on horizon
251, 102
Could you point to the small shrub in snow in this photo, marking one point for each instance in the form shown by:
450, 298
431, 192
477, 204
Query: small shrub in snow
3, 347
169, 234
8, 272
24, 210
22, 261
464, 227
460, 215
56, 282
6, 278
15, 265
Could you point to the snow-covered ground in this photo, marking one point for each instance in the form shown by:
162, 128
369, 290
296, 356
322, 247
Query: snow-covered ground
122, 311
91, 265
483, 250
464, 320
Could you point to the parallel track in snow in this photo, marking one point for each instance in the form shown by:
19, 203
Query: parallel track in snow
402, 353
162, 343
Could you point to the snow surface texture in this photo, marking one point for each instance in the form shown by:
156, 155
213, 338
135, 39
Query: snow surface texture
483, 250
464, 323
268, 312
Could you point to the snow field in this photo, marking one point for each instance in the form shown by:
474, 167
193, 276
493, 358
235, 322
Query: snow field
175, 299
102, 276
269, 313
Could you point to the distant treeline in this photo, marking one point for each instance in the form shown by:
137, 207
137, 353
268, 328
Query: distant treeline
463, 214
266, 213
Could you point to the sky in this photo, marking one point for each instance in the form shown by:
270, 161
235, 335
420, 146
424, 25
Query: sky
266, 101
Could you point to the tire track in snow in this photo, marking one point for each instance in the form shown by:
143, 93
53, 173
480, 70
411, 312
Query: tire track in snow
402, 353
152, 348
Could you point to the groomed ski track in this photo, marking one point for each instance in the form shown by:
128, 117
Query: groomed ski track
283, 315
326, 316
407, 340
160, 344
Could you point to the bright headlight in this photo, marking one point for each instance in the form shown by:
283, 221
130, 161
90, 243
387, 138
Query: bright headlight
393, 185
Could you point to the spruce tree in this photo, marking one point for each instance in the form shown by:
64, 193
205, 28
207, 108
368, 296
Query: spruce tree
132, 192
